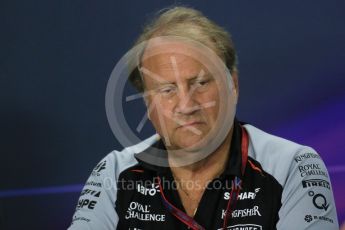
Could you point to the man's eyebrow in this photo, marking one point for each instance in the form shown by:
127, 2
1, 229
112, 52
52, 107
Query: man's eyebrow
159, 80
198, 76
193, 79
190, 80
159, 84
152, 75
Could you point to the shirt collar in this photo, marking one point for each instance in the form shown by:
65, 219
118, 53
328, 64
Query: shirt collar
233, 165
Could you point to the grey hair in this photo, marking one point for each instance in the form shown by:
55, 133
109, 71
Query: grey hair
192, 24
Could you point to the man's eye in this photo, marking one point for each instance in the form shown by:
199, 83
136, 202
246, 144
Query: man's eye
201, 83
166, 90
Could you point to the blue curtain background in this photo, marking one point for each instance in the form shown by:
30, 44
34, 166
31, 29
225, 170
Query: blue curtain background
56, 58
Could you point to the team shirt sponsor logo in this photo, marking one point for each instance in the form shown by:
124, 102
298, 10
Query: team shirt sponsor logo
99, 167
142, 212
240, 213
315, 183
81, 218
310, 218
148, 191
90, 192
306, 156
319, 200
311, 170
90, 204
244, 227
243, 195
94, 184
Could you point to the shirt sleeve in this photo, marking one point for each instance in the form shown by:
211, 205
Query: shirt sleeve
307, 199
96, 204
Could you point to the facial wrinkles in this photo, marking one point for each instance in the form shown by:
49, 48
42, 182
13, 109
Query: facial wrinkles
187, 103
187, 109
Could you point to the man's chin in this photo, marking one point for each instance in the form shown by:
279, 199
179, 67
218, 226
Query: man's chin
191, 143
188, 150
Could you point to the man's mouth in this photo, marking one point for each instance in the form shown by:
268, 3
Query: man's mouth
191, 124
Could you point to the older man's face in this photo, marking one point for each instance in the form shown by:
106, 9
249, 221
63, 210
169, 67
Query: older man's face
182, 97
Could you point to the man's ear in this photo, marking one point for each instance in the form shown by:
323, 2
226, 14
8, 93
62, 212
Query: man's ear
148, 114
234, 76
147, 104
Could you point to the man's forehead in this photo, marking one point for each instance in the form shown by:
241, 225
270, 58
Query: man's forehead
172, 68
174, 58
156, 45
167, 61
167, 56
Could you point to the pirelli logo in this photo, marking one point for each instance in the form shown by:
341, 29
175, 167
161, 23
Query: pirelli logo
315, 183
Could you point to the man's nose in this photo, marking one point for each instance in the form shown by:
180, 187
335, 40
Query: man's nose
186, 102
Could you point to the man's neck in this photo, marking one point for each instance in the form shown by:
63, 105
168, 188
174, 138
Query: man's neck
208, 168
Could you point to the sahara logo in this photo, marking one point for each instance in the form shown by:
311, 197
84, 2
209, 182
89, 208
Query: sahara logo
243, 195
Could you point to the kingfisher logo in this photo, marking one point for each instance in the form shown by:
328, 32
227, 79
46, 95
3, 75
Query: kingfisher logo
241, 213
304, 156
148, 191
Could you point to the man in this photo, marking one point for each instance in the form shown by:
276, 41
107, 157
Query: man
203, 169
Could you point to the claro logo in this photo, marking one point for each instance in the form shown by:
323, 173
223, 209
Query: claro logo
148, 191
